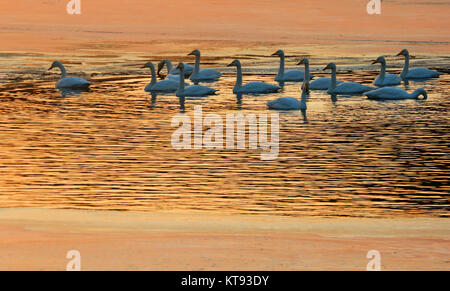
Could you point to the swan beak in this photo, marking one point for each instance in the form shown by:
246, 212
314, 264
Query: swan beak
275, 54
191, 53
326, 68
230, 65
300, 63
374, 62
50, 68
399, 54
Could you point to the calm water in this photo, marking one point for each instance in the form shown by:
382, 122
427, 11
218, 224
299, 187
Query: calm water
110, 148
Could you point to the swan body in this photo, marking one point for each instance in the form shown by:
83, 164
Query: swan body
174, 73
161, 86
384, 79
252, 87
289, 103
345, 87
193, 90
205, 75
288, 76
416, 73
317, 84
395, 93
69, 82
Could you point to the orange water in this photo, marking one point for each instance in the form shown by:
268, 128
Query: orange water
110, 148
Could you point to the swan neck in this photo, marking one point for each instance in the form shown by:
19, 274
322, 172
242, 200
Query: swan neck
63, 70
405, 67
383, 72
306, 79
333, 79
181, 80
152, 69
281, 69
197, 64
169, 66
238, 77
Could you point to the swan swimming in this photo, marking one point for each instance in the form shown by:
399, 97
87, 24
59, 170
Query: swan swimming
69, 82
173, 73
290, 103
252, 87
288, 76
384, 79
205, 75
395, 93
345, 87
317, 84
416, 73
193, 90
161, 86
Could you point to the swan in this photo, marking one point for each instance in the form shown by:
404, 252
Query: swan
345, 87
395, 93
69, 82
385, 79
416, 73
317, 84
161, 86
173, 73
290, 103
252, 87
205, 75
288, 76
193, 90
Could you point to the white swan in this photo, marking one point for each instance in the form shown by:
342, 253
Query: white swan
346, 87
317, 84
205, 75
193, 90
252, 87
173, 73
161, 86
290, 103
416, 73
288, 76
395, 93
384, 79
69, 82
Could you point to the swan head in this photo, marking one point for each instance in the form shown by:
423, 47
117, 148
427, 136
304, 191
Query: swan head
278, 53
55, 64
330, 66
194, 53
234, 63
180, 66
148, 65
404, 52
421, 91
304, 61
380, 60
161, 65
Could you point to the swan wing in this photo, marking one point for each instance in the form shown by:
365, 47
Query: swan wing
387, 93
321, 84
73, 83
351, 88
199, 90
422, 73
284, 103
293, 75
188, 69
259, 87
389, 80
165, 86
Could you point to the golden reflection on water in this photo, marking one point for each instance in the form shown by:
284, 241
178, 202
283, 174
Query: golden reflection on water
110, 149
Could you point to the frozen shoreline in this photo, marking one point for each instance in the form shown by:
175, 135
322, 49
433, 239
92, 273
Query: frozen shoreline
39, 239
